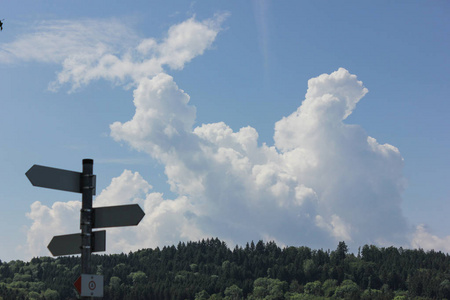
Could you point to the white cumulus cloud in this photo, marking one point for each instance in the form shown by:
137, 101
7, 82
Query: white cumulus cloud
424, 239
59, 219
165, 220
321, 182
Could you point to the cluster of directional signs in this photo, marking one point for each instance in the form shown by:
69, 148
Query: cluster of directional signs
113, 216
108, 216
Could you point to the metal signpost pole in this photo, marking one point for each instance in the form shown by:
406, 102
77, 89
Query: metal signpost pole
88, 285
86, 221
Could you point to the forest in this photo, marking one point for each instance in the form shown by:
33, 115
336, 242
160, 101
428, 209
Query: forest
209, 269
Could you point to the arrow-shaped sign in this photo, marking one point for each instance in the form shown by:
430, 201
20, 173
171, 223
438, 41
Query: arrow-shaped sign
69, 244
115, 216
57, 179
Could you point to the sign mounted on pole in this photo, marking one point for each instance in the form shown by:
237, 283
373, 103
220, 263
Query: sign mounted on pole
87, 241
57, 179
117, 216
89, 285
70, 244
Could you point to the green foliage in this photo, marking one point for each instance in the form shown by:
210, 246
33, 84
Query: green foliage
33, 296
233, 293
138, 277
341, 251
295, 287
444, 289
22, 277
310, 269
297, 296
208, 269
51, 294
203, 295
268, 288
372, 294
313, 288
114, 282
194, 267
329, 287
215, 297
347, 290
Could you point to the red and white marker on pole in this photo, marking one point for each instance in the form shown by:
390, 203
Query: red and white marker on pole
88, 285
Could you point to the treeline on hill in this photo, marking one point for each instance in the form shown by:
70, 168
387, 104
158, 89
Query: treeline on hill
210, 270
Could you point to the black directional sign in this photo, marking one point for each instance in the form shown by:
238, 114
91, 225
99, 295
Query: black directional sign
70, 244
88, 241
57, 179
115, 216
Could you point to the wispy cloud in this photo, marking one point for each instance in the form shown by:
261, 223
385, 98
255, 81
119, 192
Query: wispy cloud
58, 40
107, 49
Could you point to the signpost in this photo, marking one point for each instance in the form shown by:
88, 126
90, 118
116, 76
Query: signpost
69, 244
57, 179
90, 218
117, 216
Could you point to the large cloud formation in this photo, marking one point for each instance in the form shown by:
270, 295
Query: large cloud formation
321, 182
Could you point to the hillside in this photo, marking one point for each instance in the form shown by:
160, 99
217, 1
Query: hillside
208, 269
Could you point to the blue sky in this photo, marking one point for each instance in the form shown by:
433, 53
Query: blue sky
299, 176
